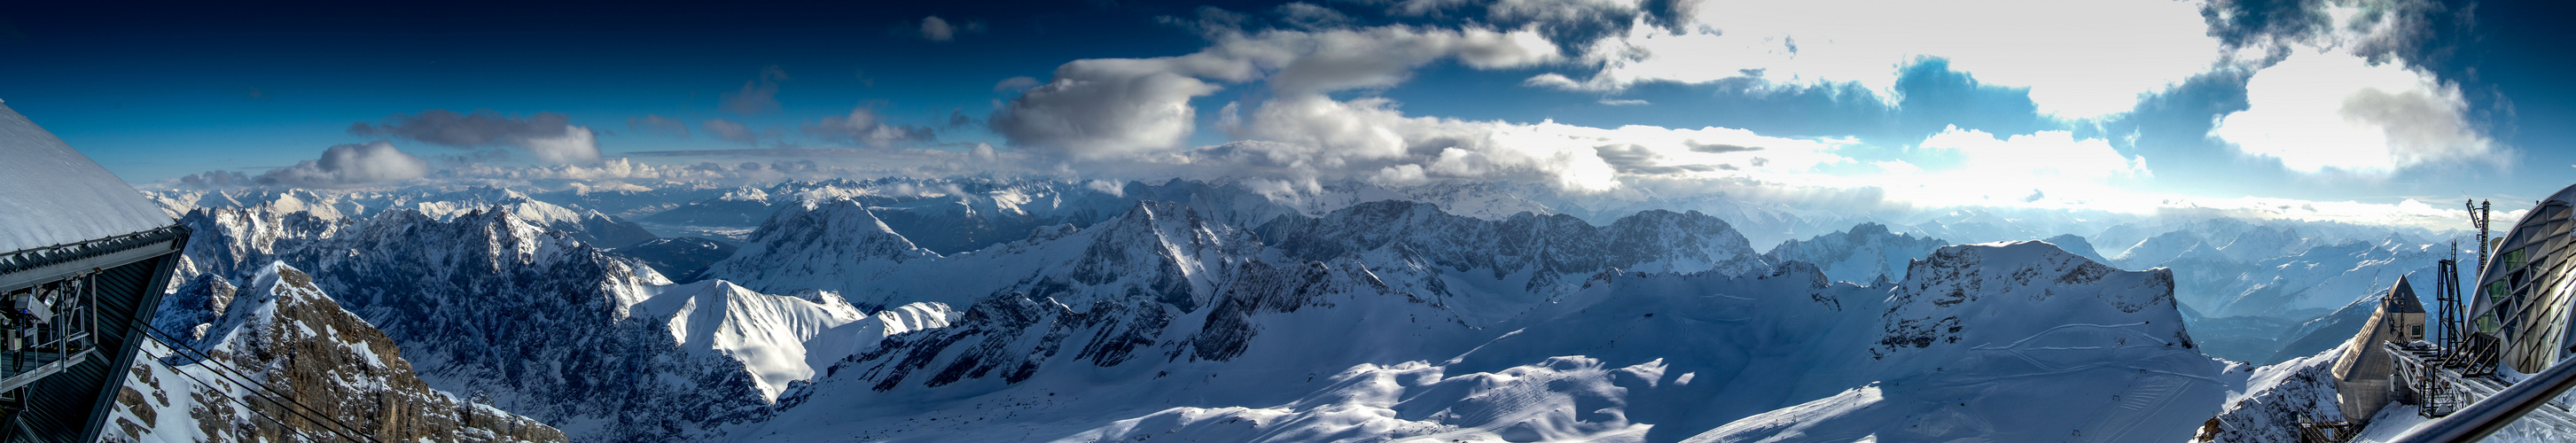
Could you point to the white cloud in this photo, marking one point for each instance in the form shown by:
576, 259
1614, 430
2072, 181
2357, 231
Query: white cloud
2079, 59
2320, 110
1624, 102
1974, 168
575, 146
350, 165
2045, 155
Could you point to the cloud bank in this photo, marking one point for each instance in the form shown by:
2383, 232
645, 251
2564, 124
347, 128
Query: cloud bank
547, 136
349, 165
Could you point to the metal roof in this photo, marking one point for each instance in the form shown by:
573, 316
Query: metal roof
52, 195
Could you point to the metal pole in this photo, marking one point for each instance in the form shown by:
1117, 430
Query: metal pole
2477, 421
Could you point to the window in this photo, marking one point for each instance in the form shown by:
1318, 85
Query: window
2415, 331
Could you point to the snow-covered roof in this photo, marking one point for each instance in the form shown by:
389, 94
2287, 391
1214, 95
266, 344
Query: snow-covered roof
52, 195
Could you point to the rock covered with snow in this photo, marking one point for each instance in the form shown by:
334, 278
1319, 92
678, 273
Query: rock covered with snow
294, 343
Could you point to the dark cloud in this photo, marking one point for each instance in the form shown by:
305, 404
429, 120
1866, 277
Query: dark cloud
546, 135
1633, 159
1717, 148
349, 165
1099, 107
479, 129
659, 125
727, 130
2423, 33
215, 180
758, 95
2239, 23
863, 127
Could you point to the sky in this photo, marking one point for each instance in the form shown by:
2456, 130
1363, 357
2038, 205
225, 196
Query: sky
2371, 111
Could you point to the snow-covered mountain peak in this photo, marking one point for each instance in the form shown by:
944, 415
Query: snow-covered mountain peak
1868, 252
818, 244
2066, 298
767, 333
1666, 241
1161, 250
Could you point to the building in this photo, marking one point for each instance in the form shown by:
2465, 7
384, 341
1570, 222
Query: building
2522, 292
84, 259
2365, 376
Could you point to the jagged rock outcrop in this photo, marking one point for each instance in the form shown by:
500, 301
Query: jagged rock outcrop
1547, 253
283, 333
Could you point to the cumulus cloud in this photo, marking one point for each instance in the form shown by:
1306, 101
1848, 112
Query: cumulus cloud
349, 165
547, 136
1102, 108
864, 127
2095, 59
758, 95
2319, 110
659, 125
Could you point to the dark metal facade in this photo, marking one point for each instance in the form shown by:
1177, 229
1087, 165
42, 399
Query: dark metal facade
132, 272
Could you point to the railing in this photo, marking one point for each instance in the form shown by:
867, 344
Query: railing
2496, 404
62, 336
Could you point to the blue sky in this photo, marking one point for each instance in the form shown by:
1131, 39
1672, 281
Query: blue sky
2125, 105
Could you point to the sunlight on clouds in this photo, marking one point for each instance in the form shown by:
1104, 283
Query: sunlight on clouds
2326, 109
2079, 59
2047, 168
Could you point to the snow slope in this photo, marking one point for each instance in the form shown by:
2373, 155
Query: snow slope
1626, 357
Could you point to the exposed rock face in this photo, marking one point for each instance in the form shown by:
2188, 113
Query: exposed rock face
1552, 251
285, 332
2276, 399
546, 324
